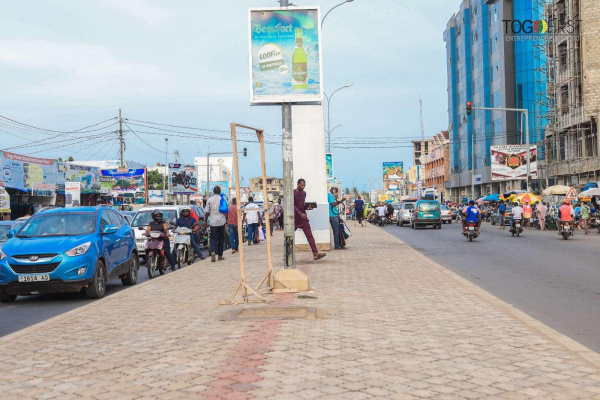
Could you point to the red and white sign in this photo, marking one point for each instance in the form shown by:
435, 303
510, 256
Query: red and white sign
571, 194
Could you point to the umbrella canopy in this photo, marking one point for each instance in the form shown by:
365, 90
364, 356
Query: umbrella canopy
556, 189
492, 197
511, 194
527, 198
590, 193
480, 200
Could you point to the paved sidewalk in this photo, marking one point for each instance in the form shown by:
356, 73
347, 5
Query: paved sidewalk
397, 326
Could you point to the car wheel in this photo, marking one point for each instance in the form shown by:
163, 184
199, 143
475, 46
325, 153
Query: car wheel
97, 287
7, 298
131, 277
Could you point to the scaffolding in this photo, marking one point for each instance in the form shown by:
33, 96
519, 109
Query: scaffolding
569, 139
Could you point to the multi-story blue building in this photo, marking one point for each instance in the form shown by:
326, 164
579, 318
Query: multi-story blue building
489, 68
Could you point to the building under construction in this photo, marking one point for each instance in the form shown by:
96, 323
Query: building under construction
572, 44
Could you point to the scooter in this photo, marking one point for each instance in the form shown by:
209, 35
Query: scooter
183, 246
155, 254
566, 230
471, 231
517, 227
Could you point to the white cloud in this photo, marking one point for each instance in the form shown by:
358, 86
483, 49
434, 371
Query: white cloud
77, 70
142, 10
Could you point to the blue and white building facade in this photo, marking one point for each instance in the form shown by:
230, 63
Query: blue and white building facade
488, 69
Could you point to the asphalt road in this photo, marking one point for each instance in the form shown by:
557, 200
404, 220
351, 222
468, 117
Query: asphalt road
29, 310
550, 279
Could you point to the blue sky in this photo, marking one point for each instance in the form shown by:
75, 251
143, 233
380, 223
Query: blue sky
66, 64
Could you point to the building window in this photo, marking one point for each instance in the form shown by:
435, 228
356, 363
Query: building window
495, 15
495, 44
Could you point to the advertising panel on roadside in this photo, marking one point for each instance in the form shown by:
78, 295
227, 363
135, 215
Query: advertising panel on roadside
244, 193
285, 55
156, 197
392, 175
329, 166
123, 181
38, 176
509, 162
183, 179
4, 200
72, 194
88, 176
224, 185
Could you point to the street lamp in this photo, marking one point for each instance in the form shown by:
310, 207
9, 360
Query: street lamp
166, 171
341, 4
245, 153
328, 114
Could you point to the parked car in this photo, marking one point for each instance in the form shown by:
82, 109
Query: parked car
426, 212
397, 207
447, 216
68, 249
507, 216
404, 213
142, 219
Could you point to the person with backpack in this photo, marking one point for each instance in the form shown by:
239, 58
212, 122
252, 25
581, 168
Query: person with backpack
501, 212
252, 216
217, 221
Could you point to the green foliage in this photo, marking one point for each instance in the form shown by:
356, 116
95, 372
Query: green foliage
155, 180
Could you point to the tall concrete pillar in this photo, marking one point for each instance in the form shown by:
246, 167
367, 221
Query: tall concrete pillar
309, 164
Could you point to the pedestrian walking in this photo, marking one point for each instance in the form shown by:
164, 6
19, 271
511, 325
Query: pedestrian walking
252, 216
280, 214
334, 216
585, 215
541, 211
217, 221
359, 208
301, 219
272, 216
232, 224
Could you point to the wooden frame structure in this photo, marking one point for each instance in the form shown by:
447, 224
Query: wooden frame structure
269, 276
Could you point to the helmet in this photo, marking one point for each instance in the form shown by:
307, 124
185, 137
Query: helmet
157, 216
472, 202
516, 203
185, 208
568, 202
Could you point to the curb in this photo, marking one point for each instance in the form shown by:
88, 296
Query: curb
572, 345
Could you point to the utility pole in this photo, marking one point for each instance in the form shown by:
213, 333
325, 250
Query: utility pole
166, 171
121, 139
176, 155
288, 184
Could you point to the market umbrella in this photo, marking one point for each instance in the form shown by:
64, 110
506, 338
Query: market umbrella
511, 194
590, 192
492, 197
527, 198
479, 200
556, 189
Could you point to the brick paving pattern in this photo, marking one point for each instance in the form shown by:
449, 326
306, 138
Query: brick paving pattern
397, 326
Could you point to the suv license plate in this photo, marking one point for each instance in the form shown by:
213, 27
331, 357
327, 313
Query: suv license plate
34, 278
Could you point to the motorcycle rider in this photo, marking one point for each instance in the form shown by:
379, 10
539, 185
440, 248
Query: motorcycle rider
187, 221
157, 224
380, 213
565, 214
517, 213
472, 214
390, 211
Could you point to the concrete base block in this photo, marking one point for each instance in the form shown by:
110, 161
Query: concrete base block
293, 278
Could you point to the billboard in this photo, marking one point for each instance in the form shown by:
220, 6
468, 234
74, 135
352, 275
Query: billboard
156, 197
72, 194
122, 181
88, 176
224, 185
285, 55
392, 175
244, 193
329, 166
183, 179
509, 162
29, 174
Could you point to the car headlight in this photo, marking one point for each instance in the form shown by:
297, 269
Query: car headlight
79, 250
2, 255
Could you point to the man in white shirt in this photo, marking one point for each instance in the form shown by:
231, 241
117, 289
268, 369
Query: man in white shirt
380, 212
517, 213
252, 216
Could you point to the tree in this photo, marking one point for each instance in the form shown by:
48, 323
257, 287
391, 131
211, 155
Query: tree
155, 180
355, 191
347, 191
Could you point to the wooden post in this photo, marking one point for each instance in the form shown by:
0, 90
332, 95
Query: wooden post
238, 211
266, 203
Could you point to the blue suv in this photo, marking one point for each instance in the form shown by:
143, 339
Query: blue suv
66, 250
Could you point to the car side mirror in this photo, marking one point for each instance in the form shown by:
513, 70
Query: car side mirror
141, 228
10, 233
108, 229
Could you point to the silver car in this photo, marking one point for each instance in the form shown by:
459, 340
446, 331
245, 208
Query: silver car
404, 213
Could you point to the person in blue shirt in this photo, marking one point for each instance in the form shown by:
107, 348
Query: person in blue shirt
501, 212
359, 207
334, 216
472, 214
187, 221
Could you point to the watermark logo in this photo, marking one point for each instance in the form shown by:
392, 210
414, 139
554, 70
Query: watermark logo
540, 29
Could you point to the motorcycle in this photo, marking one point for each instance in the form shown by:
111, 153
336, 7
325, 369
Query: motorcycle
155, 254
517, 227
182, 178
471, 231
380, 221
183, 246
566, 230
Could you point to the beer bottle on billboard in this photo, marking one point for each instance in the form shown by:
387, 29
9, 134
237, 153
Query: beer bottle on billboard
299, 64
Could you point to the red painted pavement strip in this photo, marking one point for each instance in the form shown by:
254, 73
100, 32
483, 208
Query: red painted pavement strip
241, 369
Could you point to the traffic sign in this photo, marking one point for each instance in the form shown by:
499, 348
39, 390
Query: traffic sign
571, 194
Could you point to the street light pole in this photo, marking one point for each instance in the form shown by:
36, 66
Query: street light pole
334, 7
166, 171
328, 113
